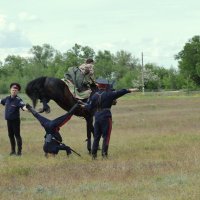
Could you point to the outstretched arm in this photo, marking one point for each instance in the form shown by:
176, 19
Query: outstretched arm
119, 93
133, 89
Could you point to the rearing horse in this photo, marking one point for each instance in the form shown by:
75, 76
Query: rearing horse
49, 88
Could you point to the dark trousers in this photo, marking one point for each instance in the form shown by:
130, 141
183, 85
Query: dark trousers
102, 128
52, 125
14, 133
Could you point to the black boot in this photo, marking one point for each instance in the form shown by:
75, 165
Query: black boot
94, 157
19, 145
12, 153
68, 150
12, 142
104, 155
19, 153
30, 109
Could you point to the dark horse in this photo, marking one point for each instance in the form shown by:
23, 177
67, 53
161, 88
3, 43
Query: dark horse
49, 88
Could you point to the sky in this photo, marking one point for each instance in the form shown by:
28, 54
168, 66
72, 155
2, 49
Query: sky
158, 28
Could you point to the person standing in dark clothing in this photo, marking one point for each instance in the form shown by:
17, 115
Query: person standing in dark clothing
12, 105
102, 102
53, 140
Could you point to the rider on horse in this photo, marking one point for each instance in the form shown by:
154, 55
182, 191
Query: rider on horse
87, 70
79, 79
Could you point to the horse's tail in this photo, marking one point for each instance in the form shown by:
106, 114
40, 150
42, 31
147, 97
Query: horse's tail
35, 88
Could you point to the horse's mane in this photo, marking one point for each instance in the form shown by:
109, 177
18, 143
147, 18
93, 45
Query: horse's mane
33, 87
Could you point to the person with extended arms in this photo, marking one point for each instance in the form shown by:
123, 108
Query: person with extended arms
101, 102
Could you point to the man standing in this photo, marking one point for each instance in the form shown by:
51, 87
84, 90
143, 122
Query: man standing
102, 102
12, 105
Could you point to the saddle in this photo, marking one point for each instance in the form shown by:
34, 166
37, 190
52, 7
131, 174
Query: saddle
75, 92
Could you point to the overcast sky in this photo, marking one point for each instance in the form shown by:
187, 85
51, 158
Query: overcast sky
158, 28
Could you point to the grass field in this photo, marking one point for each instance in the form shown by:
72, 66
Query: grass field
154, 154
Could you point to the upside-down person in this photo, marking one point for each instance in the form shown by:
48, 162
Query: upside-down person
102, 102
53, 140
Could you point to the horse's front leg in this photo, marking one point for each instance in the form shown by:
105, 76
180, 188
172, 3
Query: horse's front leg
45, 107
90, 129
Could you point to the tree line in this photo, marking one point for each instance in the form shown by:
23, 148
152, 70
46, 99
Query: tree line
122, 67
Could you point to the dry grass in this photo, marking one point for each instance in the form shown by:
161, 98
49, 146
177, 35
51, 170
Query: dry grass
154, 154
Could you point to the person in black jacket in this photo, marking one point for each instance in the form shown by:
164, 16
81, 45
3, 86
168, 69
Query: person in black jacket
102, 102
12, 105
53, 140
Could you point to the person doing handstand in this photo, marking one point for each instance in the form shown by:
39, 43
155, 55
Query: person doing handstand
53, 140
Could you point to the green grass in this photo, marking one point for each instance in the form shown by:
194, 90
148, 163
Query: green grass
153, 155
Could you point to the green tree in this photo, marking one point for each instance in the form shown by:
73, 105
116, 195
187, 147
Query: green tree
104, 64
151, 78
124, 63
15, 65
43, 55
169, 81
76, 56
46, 61
125, 59
189, 59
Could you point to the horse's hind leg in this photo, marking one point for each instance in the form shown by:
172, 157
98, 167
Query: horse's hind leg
90, 129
